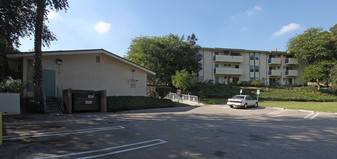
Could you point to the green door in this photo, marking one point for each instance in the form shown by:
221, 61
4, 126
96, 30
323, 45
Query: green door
48, 82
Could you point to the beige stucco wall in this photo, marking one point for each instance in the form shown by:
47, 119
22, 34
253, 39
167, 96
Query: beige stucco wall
208, 66
82, 72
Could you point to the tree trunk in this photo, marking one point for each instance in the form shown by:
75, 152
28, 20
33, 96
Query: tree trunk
318, 86
37, 76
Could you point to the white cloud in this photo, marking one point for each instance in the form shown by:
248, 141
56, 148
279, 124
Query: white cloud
102, 27
253, 10
288, 28
51, 14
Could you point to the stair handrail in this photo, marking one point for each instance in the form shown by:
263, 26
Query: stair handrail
44, 100
59, 96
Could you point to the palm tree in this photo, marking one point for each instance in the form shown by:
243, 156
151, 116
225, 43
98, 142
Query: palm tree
42, 31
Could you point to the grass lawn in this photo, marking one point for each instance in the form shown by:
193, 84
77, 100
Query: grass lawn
315, 106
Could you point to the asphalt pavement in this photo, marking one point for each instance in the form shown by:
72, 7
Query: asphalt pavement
195, 132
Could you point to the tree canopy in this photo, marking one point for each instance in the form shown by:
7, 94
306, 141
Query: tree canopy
319, 49
182, 79
164, 55
312, 46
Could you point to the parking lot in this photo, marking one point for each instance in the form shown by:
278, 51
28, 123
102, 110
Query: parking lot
214, 131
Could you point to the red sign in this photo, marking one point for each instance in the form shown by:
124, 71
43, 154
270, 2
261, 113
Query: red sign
178, 91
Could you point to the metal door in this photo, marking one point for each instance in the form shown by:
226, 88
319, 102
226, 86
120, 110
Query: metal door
48, 82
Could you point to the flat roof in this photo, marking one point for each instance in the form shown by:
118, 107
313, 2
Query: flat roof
276, 52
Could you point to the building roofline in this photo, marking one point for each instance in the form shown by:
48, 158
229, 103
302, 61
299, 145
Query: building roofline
78, 52
270, 52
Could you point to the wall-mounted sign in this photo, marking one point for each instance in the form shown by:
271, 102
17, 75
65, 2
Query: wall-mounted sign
88, 102
91, 96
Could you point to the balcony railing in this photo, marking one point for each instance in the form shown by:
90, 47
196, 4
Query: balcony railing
223, 58
291, 61
291, 73
276, 61
274, 72
228, 71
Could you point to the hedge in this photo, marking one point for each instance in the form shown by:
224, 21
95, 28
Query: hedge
120, 103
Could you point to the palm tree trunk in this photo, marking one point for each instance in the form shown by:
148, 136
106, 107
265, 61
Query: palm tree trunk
38, 96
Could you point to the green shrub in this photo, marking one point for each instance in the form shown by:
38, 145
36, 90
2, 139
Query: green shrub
162, 91
12, 86
119, 103
256, 83
242, 83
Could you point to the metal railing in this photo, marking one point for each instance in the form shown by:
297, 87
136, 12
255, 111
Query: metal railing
183, 97
59, 96
44, 101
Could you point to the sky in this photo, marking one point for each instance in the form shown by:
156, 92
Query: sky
240, 24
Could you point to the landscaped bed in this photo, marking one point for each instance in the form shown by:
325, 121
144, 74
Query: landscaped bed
120, 103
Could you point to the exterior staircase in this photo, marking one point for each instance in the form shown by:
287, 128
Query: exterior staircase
52, 105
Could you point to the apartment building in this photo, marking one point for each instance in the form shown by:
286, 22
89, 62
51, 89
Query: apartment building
224, 65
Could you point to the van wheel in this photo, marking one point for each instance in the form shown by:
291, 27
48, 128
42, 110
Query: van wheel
256, 104
246, 106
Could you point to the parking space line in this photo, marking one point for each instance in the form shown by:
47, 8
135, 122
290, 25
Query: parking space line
309, 115
66, 132
277, 112
128, 147
314, 116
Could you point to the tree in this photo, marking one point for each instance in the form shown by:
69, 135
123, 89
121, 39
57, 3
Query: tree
315, 46
319, 72
164, 55
17, 19
312, 46
333, 77
183, 79
40, 28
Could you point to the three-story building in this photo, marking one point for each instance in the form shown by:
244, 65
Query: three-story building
224, 65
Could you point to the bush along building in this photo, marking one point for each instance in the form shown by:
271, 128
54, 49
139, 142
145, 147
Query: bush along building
228, 66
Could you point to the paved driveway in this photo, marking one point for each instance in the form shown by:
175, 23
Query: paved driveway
188, 132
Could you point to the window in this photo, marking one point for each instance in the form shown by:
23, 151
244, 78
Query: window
227, 52
217, 66
225, 65
251, 68
216, 80
257, 56
237, 66
257, 69
251, 56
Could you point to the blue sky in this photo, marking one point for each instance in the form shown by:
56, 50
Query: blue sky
241, 24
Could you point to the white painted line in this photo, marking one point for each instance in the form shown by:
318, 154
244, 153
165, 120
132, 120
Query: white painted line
314, 116
148, 143
277, 112
48, 122
67, 132
309, 115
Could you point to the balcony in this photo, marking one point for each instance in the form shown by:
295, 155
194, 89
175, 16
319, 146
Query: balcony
228, 71
291, 61
223, 58
274, 72
274, 61
291, 73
